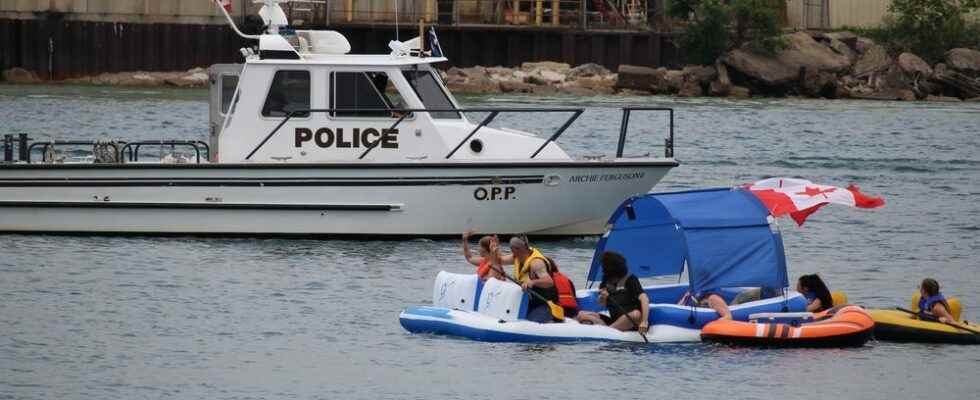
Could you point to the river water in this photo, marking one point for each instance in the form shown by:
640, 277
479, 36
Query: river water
143, 317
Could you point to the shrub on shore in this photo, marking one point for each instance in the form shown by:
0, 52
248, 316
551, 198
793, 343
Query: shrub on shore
928, 27
714, 27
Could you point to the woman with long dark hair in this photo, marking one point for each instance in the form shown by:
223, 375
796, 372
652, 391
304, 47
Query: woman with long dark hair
817, 295
621, 293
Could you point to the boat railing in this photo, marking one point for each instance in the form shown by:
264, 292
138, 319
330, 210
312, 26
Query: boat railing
624, 129
132, 149
120, 149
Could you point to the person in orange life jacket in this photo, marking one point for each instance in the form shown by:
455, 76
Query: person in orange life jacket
932, 304
817, 295
621, 293
531, 271
482, 262
709, 299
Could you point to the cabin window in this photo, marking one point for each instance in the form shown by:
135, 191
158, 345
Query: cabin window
290, 92
228, 85
431, 94
364, 94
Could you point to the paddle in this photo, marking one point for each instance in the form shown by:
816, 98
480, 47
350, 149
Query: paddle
953, 324
633, 321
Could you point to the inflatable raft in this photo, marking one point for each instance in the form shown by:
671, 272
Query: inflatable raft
495, 311
903, 326
846, 326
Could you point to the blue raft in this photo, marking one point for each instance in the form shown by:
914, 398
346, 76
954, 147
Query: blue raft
724, 239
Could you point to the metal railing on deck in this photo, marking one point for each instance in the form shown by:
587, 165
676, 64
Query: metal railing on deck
624, 128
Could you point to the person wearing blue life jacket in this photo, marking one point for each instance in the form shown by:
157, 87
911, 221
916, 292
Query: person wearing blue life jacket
932, 304
815, 291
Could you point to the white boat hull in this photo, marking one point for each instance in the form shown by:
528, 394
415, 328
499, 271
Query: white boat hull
415, 199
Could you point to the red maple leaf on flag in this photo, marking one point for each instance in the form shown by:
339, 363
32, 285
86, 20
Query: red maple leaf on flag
815, 191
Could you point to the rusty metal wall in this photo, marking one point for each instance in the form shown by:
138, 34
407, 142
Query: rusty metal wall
56, 48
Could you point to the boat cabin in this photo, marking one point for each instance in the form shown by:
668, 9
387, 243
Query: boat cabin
301, 98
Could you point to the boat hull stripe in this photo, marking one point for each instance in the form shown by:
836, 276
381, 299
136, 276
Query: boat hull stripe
199, 206
258, 182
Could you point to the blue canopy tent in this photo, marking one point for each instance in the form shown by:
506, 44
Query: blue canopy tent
723, 236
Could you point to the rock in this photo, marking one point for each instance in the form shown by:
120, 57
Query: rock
545, 77
914, 65
740, 92
894, 78
673, 80
471, 72
632, 92
475, 86
843, 49
973, 100
966, 61
199, 79
863, 44
690, 88
874, 60
545, 90
577, 91
943, 99
846, 37
703, 75
723, 85
925, 88
819, 84
587, 70
545, 65
784, 67
966, 86
907, 95
597, 84
516, 87
638, 78
20, 75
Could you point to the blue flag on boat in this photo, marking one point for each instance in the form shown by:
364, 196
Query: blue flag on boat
724, 237
434, 45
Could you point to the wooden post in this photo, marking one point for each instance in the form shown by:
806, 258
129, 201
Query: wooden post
538, 12
428, 10
555, 11
583, 14
421, 35
350, 10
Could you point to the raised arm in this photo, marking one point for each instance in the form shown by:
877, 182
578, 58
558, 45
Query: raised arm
466, 249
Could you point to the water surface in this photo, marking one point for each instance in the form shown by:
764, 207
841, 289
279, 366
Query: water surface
124, 318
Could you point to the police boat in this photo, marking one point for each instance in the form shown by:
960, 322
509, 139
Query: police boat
308, 140
724, 239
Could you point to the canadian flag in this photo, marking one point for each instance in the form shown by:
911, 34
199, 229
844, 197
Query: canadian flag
799, 198
226, 4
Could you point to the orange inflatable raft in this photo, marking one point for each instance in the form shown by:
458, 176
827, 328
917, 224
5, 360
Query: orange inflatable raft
844, 326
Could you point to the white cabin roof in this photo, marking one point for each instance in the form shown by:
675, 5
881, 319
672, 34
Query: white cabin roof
354, 59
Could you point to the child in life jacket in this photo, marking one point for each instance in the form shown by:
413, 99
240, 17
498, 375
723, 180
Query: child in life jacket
483, 262
932, 304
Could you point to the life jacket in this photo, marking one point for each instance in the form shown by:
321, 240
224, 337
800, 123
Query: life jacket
522, 270
565, 287
925, 305
483, 269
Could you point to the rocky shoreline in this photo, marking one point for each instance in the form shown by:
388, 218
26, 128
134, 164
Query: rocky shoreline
837, 65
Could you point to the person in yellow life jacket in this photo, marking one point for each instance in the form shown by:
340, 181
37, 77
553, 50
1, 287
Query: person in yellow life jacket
531, 271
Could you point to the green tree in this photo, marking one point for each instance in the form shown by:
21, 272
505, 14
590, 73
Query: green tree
930, 27
715, 26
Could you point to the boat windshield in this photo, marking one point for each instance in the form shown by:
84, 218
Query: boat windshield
431, 94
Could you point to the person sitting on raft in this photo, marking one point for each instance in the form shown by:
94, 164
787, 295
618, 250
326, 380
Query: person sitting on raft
621, 293
709, 299
483, 262
932, 304
531, 271
817, 295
